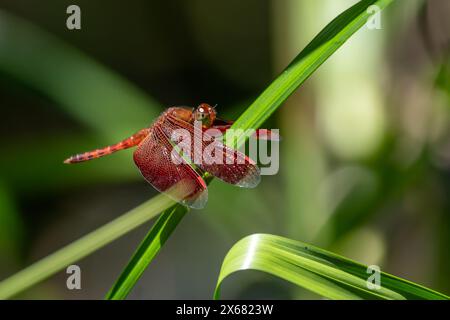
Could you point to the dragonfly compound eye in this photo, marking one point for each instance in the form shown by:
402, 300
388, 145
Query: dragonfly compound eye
205, 114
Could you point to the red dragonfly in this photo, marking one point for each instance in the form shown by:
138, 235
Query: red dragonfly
182, 179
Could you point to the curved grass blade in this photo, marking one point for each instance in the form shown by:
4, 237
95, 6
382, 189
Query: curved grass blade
325, 273
331, 38
146, 251
322, 46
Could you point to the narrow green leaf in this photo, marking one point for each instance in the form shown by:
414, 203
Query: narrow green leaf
322, 46
315, 269
307, 61
325, 43
83, 246
146, 251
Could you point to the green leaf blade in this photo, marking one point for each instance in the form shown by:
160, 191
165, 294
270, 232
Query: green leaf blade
82, 247
315, 269
146, 252
331, 38
322, 47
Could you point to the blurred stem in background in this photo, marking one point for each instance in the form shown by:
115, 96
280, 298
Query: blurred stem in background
352, 126
352, 121
303, 163
11, 230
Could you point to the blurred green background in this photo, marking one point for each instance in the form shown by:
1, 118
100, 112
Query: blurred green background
365, 156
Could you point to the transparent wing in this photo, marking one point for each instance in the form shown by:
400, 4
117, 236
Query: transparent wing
225, 163
168, 173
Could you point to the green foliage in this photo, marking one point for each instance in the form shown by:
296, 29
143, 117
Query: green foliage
146, 252
315, 269
331, 38
309, 59
83, 246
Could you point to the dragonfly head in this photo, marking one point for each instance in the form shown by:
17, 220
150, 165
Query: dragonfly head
205, 114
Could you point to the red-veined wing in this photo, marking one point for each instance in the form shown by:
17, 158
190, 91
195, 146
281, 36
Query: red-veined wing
180, 181
213, 156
